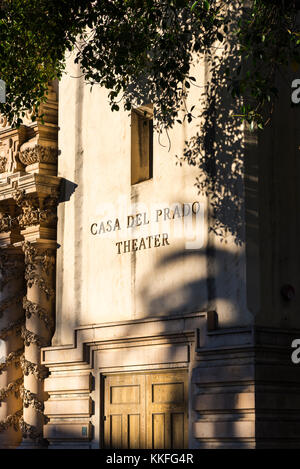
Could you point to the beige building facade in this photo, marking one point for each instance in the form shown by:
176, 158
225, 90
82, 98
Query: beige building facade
129, 317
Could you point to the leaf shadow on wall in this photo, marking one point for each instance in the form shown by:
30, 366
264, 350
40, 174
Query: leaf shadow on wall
217, 149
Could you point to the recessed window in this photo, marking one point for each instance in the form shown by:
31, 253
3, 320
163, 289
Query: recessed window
141, 144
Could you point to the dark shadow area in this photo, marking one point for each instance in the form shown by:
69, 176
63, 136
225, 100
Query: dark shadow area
66, 190
217, 148
215, 280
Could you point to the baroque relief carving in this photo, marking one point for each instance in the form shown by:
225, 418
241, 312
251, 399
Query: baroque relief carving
10, 141
6, 222
31, 399
39, 264
33, 213
32, 338
8, 155
11, 267
34, 143
11, 420
35, 309
15, 387
3, 164
39, 371
3, 121
12, 357
33, 259
38, 154
29, 431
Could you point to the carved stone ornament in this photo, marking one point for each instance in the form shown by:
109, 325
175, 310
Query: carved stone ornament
3, 121
31, 399
38, 154
3, 164
35, 257
13, 387
32, 338
39, 371
30, 431
33, 214
11, 420
6, 222
12, 357
9, 154
34, 309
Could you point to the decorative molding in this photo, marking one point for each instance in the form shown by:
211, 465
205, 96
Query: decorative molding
12, 357
39, 371
32, 338
30, 431
3, 121
11, 420
155, 330
31, 399
34, 259
3, 164
19, 196
11, 269
11, 387
32, 278
29, 197
32, 212
38, 154
6, 222
9, 151
35, 309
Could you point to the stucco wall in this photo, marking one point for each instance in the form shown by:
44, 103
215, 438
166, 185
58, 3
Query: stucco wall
95, 284
278, 167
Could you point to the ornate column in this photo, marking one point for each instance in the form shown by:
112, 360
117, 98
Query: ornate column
28, 188
37, 198
11, 323
38, 219
37, 332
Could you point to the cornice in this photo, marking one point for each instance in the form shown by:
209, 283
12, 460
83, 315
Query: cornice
125, 332
31, 183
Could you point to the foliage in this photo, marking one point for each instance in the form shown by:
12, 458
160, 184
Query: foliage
141, 50
34, 35
269, 43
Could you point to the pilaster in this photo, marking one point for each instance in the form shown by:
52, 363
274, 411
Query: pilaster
28, 201
11, 343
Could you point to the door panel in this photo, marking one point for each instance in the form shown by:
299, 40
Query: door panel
167, 403
146, 410
124, 427
158, 431
177, 431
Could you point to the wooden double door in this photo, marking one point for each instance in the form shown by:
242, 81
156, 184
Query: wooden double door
146, 410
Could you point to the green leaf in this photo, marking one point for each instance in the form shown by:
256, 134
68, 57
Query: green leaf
206, 4
194, 5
